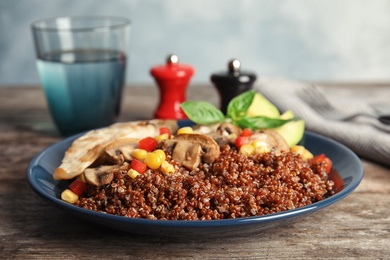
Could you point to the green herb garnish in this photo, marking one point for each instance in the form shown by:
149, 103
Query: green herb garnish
204, 113
238, 106
260, 122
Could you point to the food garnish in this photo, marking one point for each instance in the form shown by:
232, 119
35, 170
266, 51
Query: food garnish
204, 113
248, 110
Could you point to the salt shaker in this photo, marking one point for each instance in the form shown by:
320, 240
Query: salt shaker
172, 80
232, 83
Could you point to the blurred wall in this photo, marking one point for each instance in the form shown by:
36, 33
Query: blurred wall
320, 40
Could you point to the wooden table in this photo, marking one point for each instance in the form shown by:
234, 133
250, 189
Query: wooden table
358, 227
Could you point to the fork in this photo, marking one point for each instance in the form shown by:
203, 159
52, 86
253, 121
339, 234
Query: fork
315, 99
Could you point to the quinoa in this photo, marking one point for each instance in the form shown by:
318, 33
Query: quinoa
234, 186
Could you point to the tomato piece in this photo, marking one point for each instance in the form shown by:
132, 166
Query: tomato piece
240, 140
78, 187
338, 181
148, 143
246, 132
321, 158
139, 166
165, 130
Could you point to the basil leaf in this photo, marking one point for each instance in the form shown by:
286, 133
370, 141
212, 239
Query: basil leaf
238, 106
260, 122
203, 113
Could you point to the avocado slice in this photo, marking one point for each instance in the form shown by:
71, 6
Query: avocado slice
261, 106
292, 131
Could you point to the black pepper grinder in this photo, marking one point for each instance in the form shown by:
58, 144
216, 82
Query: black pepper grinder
232, 83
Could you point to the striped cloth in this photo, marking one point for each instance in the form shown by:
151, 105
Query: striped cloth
366, 136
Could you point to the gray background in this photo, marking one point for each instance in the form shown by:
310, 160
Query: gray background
320, 40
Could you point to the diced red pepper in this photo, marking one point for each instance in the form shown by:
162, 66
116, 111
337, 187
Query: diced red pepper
240, 140
78, 187
149, 144
165, 130
321, 158
139, 166
246, 132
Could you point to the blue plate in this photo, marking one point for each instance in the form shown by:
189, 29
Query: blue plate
40, 169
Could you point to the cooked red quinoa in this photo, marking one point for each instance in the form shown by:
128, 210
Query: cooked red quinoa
233, 186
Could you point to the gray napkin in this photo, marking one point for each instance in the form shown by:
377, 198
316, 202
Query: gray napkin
366, 136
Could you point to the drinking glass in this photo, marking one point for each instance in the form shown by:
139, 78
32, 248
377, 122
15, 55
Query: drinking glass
81, 62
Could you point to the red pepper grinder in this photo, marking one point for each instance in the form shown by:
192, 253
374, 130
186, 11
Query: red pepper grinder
172, 80
232, 83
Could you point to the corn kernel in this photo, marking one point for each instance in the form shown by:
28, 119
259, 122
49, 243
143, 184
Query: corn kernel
299, 149
162, 137
260, 146
167, 168
232, 136
69, 196
262, 149
258, 143
307, 155
160, 153
153, 161
185, 130
132, 173
247, 149
139, 154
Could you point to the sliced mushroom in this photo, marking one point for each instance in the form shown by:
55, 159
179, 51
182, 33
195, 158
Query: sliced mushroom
167, 145
220, 139
99, 176
206, 129
227, 129
222, 133
120, 150
274, 141
210, 148
188, 154
190, 149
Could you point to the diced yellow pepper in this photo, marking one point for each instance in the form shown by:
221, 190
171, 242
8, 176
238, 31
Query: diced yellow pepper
153, 161
69, 196
132, 173
185, 130
247, 149
167, 168
139, 154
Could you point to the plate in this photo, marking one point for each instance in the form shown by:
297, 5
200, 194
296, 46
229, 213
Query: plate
40, 169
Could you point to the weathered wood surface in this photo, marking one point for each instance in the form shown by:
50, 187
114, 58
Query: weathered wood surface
357, 227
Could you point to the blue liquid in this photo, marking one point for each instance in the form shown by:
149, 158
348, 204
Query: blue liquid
83, 87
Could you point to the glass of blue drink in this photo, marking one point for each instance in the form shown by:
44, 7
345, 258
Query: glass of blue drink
81, 62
